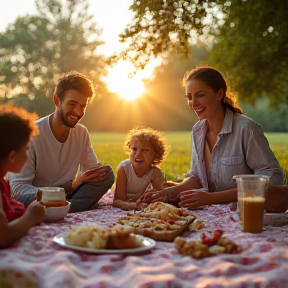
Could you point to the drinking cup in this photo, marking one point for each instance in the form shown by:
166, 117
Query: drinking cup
52, 196
251, 200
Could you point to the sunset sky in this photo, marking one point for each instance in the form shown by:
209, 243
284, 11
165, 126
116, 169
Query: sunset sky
110, 15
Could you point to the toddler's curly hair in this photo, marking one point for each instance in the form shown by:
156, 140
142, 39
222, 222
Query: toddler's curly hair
155, 139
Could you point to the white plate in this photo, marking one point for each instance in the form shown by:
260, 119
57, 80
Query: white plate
147, 243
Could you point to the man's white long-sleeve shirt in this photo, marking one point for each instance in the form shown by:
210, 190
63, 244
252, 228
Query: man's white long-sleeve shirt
51, 163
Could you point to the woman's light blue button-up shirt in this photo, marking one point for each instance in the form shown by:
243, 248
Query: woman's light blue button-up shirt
241, 148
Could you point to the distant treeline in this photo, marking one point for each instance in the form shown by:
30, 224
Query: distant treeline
164, 107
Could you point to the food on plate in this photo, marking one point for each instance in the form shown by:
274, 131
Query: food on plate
86, 236
117, 237
206, 246
123, 242
197, 225
52, 197
159, 221
165, 210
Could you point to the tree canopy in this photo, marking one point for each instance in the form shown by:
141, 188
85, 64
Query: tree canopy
37, 50
248, 39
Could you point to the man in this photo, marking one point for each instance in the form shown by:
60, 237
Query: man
62, 147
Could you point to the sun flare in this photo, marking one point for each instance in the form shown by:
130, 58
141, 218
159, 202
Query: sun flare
122, 81
125, 83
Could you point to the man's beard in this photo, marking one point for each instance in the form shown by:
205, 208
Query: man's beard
65, 120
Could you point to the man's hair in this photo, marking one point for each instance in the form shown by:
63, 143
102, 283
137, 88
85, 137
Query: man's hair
74, 81
16, 127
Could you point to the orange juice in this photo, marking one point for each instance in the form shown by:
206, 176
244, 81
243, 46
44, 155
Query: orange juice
252, 214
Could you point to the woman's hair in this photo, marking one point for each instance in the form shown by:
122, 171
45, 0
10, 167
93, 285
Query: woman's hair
74, 81
216, 81
155, 139
17, 126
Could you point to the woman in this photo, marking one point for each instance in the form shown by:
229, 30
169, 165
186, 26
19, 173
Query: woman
224, 143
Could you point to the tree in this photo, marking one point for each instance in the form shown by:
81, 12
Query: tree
163, 106
253, 47
37, 50
248, 39
260, 111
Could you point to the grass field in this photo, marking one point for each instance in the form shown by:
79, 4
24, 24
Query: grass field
109, 148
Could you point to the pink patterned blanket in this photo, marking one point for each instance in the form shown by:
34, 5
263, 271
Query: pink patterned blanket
35, 261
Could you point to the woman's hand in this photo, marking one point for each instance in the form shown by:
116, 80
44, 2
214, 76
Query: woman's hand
159, 196
146, 196
153, 196
194, 198
170, 184
167, 195
139, 205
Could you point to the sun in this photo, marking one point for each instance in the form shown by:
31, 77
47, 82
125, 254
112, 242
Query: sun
122, 80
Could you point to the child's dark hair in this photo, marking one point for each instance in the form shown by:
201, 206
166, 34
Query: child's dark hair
155, 139
16, 127
74, 81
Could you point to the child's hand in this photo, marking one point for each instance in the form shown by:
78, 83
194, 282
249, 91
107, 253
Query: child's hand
36, 211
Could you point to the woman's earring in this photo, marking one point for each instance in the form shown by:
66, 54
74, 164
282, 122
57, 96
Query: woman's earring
12, 159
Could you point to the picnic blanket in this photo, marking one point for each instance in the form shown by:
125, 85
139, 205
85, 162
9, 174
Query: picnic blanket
36, 261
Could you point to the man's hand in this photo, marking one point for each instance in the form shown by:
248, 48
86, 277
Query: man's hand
93, 175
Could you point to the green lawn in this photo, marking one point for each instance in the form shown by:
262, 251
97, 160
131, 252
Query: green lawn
110, 149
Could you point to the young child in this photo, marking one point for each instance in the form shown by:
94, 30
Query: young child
147, 149
16, 128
